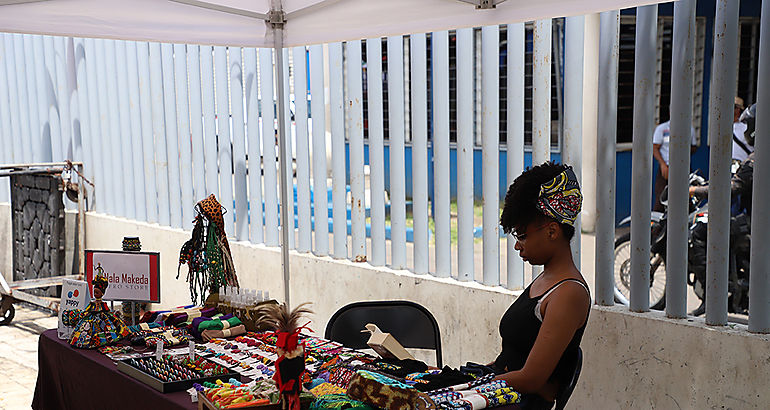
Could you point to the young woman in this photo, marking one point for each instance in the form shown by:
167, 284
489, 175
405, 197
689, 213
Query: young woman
542, 329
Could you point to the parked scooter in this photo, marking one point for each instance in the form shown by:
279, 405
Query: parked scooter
658, 236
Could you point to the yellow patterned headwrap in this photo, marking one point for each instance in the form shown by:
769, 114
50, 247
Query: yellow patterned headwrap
560, 198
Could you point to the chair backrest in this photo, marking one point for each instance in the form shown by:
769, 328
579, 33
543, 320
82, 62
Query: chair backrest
411, 324
564, 393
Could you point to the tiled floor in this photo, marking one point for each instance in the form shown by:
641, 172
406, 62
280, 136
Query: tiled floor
18, 356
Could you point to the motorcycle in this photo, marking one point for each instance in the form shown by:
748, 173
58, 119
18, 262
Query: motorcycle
658, 243
739, 254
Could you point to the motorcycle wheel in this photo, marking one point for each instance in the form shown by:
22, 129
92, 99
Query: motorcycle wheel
622, 274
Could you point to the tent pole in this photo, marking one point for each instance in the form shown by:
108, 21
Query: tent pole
276, 20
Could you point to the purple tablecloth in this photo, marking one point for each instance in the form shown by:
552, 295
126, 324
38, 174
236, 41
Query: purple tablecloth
71, 378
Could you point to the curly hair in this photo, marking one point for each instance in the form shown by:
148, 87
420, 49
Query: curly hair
520, 207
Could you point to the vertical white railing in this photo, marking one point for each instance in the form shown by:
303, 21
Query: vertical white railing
320, 188
490, 152
6, 136
256, 220
237, 85
465, 138
397, 159
287, 160
645, 64
682, 72
28, 81
337, 121
419, 127
269, 157
354, 101
572, 152
115, 136
720, 141
138, 150
541, 91
159, 134
95, 170
12, 86
304, 225
141, 54
224, 147
605, 154
759, 288
126, 134
23, 115
196, 122
376, 149
49, 58
441, 165
43, 145
209, 121
185, 143
514, 143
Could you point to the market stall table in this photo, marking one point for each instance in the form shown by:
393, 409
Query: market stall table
81, 379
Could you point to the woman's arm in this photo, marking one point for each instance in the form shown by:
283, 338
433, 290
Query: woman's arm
565, 312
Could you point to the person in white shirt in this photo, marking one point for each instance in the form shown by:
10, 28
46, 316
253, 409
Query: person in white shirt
660, 142
741, 147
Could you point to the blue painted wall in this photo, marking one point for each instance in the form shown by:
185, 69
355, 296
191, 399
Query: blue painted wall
699, 160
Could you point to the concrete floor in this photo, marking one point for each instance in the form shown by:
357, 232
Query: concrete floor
18, 356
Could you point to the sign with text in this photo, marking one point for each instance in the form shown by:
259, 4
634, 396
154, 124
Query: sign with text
132, 276
74, 295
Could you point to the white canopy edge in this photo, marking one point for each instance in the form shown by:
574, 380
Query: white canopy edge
307, 21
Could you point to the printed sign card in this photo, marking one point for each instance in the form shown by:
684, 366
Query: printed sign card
132, 276
74, 295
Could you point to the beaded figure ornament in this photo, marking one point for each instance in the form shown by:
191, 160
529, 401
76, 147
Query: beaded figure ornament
291, 353
96, 325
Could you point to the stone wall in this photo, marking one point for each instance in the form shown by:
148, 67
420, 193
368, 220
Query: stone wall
37, 227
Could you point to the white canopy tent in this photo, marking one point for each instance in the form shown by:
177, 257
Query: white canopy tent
276, 24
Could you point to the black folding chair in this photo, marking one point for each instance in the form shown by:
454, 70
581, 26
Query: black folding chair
411, 324
564, 393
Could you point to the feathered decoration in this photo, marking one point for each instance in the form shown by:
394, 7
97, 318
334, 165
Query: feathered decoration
207, 253
291, 354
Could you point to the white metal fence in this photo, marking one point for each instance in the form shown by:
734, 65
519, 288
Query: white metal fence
160, 126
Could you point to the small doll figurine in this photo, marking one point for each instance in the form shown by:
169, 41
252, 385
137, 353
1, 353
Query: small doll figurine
291, 353
95, 326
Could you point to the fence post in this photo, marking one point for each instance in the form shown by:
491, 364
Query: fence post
490, 152
441, 164
376, 149
320, 189
355, 109
396, 143
720, 141
759, 288
641, 166
465, 138
419, 128
683, 61
605, 155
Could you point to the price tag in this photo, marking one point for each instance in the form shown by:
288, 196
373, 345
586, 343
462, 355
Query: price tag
159, 350
192, 350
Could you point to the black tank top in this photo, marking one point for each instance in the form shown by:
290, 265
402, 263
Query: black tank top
519, 327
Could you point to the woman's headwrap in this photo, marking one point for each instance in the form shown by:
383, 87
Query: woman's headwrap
560, 198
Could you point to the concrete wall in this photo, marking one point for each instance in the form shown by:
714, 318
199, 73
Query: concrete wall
634, 361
